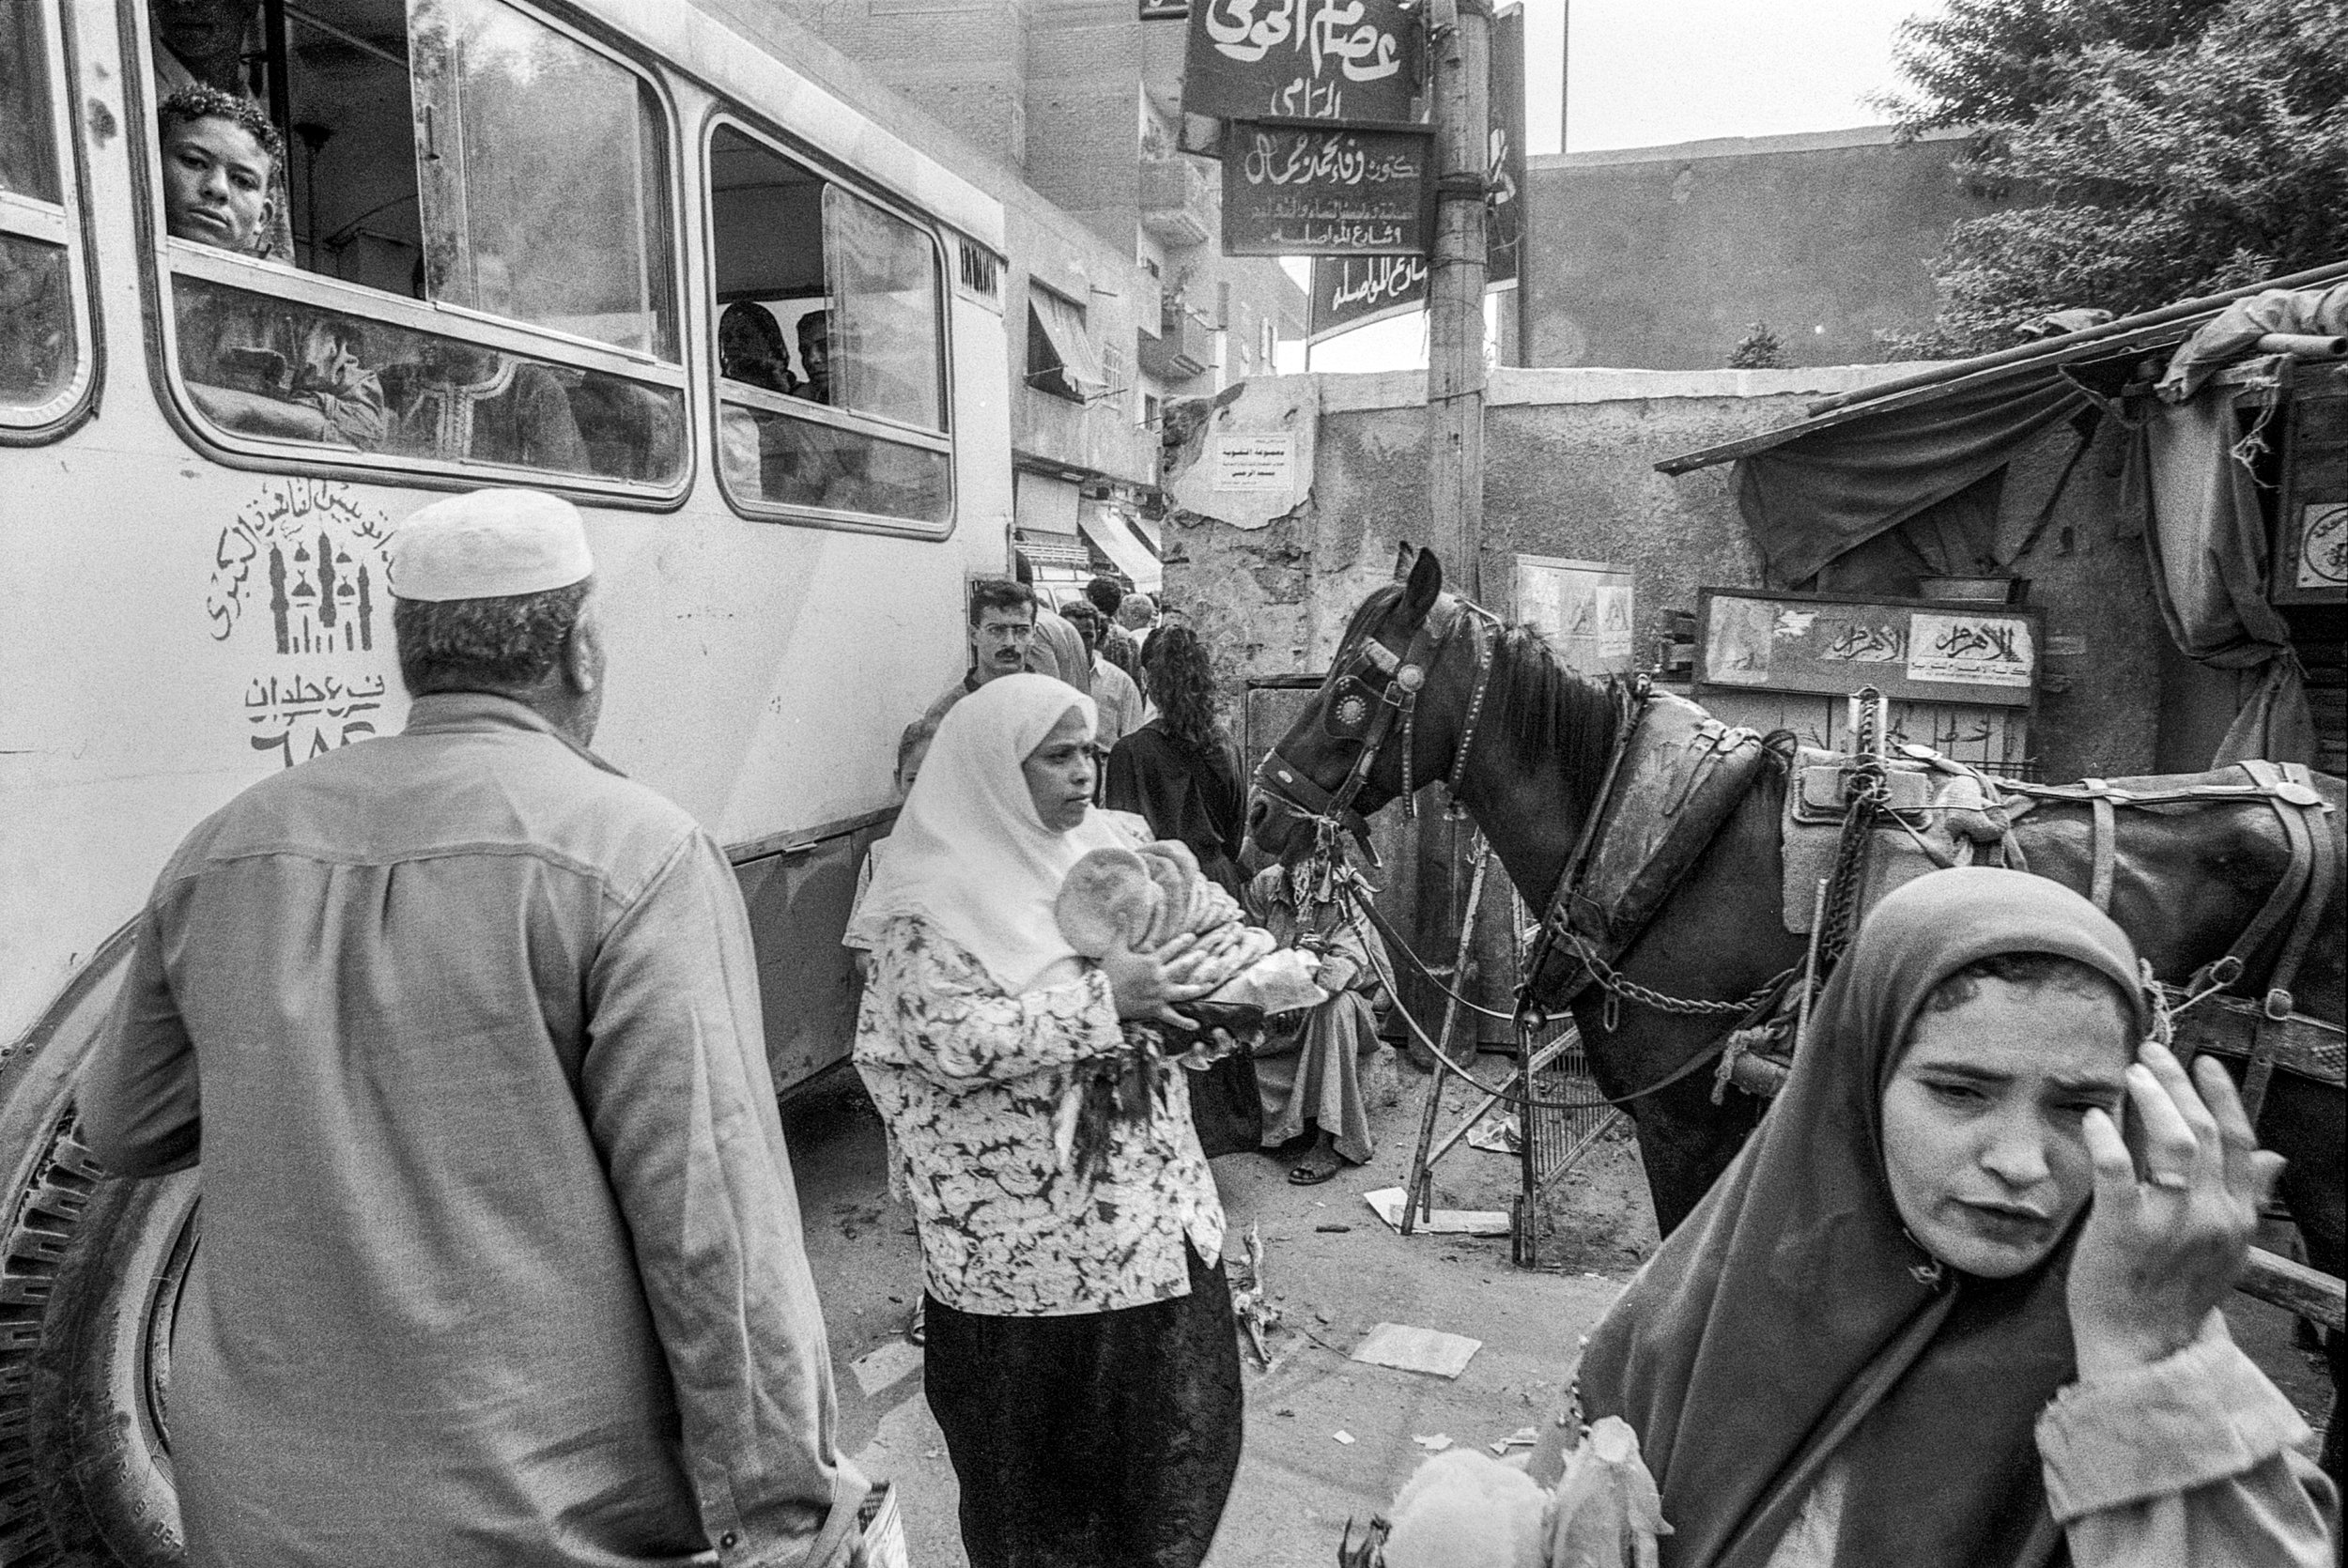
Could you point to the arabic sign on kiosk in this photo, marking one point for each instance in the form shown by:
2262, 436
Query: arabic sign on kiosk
1304, 190
1352, 291
1910, 650
1301, 60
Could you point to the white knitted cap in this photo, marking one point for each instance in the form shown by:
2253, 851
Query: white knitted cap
489, 545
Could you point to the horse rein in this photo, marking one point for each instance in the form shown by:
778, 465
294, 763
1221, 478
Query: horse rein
1376, 711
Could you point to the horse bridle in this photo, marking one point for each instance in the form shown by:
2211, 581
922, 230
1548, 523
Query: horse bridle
1356, 710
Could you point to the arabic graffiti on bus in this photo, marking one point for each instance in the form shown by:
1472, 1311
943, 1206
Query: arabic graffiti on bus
299, 575
1307, 59
280, 707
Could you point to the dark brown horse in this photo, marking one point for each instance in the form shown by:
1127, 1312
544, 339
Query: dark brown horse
2188, 880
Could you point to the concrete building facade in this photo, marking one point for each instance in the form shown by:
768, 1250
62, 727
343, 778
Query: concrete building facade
1660, 259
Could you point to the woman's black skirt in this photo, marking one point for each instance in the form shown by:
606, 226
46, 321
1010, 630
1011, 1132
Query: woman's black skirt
1099, 1439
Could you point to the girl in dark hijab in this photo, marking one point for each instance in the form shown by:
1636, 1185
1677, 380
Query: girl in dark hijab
1898, 1331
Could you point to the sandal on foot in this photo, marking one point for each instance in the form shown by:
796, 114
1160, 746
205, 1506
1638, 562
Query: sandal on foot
1312, 1173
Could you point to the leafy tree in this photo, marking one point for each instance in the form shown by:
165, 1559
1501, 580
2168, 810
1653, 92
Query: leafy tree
2157, 150
1758, 350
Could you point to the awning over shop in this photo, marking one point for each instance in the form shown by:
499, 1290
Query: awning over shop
1063, 328
1113, 532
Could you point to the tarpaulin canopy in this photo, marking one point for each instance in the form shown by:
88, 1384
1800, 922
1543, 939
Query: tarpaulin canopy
1820, 494
2239, 327
2211, 568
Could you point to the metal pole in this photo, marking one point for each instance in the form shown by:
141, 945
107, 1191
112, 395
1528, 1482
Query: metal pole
1419, 1194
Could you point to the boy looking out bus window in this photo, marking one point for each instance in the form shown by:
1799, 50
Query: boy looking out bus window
261, 371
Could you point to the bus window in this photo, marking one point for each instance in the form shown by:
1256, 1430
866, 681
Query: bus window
830, 345
480, 219
544, 175
41, 342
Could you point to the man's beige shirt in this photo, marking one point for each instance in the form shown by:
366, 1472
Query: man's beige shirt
500, 1257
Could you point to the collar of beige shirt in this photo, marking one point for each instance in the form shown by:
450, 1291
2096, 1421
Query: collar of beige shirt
444, 713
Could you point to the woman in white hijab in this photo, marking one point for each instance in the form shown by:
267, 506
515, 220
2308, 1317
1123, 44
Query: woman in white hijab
1081, 1360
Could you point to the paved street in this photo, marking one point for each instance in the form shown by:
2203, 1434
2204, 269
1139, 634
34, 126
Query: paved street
1297, 1483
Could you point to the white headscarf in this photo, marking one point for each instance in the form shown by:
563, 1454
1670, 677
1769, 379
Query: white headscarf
970, 856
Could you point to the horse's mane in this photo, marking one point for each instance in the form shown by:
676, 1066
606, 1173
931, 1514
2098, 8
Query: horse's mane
1542, 707
1548, 710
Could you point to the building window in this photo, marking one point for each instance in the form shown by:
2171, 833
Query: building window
44, 309
1116, 372
422, 285
830, 345
1060, 361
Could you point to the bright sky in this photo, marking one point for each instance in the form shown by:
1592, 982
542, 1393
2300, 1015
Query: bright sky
1651, 72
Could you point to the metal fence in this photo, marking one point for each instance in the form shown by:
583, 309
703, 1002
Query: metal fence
1555, 1070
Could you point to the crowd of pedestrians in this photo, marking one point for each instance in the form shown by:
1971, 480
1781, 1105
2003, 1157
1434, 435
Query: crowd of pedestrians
503, 1261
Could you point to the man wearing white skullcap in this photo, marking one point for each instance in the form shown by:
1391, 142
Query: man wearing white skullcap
502, 1255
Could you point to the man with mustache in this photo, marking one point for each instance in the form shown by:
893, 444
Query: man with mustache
1002, 630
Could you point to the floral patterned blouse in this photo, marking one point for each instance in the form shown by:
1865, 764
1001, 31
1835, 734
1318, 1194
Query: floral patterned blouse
969, 1080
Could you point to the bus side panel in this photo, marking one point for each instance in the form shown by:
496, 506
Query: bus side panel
807, 987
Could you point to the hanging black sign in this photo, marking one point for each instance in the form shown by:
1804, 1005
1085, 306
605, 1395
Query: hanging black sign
1349, 292
1354, 60
1352, 291
1298, 189
1504, 209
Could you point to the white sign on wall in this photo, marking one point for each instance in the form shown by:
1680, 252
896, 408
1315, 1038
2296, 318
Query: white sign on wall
1255, 462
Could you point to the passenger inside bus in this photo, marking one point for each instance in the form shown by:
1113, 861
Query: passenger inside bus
857, 288
252, 368
460, 403
200, 43
543, 205
750, 349
816, 354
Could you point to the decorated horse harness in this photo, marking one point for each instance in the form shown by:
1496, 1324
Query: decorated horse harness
1587, 927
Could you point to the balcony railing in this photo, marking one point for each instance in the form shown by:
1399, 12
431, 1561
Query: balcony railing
1183, 347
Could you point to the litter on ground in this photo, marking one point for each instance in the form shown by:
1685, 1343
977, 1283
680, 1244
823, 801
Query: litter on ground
1411, 1349
1386, 1203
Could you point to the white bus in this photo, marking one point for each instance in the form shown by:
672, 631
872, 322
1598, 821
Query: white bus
514, 229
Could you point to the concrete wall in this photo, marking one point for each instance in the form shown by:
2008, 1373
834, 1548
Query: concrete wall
1658, 258
1569, 472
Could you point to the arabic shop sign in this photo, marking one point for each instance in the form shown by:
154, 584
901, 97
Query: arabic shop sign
1301, 60
1291, 189
1353, 291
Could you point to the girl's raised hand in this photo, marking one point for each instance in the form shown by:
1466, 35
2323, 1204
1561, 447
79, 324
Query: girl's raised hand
2157, 1254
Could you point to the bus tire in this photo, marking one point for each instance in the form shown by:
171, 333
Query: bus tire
90, 1271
